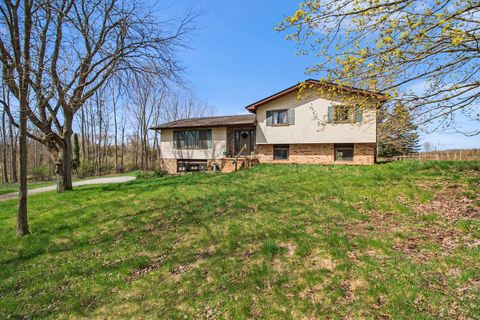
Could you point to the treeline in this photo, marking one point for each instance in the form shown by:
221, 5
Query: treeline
112, 131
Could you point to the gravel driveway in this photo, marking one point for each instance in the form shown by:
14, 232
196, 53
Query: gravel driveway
14, 195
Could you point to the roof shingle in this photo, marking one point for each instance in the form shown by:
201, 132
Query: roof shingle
221, 121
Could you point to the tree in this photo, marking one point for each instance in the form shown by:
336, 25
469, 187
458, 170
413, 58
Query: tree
73, 49
396, 133
76, 153
404, 44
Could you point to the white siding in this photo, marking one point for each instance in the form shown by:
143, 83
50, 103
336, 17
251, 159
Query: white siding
310, 123
219, 143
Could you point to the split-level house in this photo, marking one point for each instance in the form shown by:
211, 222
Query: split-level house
311, 123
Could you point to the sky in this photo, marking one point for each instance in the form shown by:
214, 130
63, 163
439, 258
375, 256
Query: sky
236, 57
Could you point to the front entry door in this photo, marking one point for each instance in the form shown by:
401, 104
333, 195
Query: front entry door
243, 138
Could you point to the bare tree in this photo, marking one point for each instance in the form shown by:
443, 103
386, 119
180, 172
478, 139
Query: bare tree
73, 49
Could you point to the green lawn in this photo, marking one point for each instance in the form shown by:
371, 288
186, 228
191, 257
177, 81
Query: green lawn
398, 241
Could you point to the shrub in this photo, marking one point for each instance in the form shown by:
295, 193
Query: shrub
40, 173
140, 174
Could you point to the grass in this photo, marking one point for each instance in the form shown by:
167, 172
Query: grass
274, 242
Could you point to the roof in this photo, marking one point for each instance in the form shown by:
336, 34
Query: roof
207, 122
378, 95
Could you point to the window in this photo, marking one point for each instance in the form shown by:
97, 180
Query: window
279, 117
280, 152
344, 152
283, 117
191, 165
344, 114
192, 139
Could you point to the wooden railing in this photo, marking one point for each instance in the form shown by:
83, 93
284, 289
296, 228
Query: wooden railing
244, 148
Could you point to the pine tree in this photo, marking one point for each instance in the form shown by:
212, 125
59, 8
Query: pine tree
397, 133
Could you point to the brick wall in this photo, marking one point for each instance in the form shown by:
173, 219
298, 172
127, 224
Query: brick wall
169, 165
364, 153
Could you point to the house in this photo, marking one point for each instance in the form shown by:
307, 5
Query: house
312, 122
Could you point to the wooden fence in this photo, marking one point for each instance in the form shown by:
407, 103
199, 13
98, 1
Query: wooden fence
451, 155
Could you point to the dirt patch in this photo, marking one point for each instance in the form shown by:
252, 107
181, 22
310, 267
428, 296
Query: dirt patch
452, 204
199, 259
447, 239
351, 287
378, 223
154, 264
320, 260
289, 247
315, 294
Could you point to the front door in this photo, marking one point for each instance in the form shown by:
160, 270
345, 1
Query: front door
244, 141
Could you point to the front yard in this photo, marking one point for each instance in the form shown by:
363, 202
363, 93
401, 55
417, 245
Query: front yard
396, 241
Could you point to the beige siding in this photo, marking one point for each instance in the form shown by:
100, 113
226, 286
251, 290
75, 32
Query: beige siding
310, 123
219, 137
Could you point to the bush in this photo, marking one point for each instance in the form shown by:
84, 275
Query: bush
87, 169
159, 173
140, 174
40, 173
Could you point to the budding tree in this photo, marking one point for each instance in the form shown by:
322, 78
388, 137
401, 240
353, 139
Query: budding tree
424, 54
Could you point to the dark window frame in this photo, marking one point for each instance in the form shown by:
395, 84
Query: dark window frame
284, 150
349, 148
343, 113
182, 139
276, 112
192, 166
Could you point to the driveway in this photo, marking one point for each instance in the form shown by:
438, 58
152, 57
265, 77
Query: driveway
14, 195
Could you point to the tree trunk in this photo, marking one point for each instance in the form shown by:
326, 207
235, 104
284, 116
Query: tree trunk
22, 220
13, 150
116, 136
67, 160
4, 150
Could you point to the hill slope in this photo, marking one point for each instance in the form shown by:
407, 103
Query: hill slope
400, 240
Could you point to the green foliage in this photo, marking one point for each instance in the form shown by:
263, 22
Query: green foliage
397, 134
40, 173
274, 241
87, 168
422, 54
141, 174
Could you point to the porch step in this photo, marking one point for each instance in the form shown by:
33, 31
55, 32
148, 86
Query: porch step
229, 165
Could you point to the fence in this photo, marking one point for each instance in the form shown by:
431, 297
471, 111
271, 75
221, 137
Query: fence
451, 155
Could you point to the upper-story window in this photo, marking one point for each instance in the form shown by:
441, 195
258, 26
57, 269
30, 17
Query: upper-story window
192, 139
280, 117
344, 114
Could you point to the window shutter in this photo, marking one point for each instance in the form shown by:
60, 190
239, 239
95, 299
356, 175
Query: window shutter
291, 116
358, 114
174, 139
209, 138
330, 113
269, 118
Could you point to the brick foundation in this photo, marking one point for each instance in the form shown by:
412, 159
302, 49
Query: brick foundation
169, 165
321, 153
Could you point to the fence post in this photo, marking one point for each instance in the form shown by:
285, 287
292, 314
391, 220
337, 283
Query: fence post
460, 155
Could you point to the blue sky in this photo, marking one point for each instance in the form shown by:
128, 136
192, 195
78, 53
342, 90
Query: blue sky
237, 58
